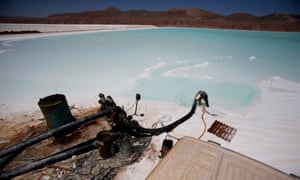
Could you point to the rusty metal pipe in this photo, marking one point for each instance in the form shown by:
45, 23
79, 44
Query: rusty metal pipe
67, 127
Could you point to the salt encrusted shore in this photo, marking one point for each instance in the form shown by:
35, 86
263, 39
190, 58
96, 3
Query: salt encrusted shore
54, 29
268, 131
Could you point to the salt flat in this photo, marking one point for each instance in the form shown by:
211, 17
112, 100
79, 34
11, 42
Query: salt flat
267, 130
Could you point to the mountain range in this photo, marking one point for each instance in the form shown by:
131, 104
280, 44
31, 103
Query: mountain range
172, 17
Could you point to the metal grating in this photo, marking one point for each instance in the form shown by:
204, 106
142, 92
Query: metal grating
222, 130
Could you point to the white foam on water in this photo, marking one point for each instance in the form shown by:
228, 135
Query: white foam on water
207, 77
147, 72
203, 65
252, 58
181, 62
9, 43
275, 78
2, 51
187, 71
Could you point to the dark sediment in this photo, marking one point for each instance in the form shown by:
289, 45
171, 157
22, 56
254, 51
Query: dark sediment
18, 32
88, 165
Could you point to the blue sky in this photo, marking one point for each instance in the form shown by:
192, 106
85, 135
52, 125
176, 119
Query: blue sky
41, 8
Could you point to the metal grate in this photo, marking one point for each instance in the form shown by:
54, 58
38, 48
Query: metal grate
222, 130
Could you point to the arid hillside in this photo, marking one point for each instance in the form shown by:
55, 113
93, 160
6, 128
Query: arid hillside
172, 17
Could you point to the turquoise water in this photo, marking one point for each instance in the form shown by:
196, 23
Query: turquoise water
168, 64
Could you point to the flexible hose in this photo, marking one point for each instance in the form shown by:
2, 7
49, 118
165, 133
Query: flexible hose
135, 129
204, 124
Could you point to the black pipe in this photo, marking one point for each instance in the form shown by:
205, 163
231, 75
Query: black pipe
75, 150
72, 125
6, 159
133, 127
